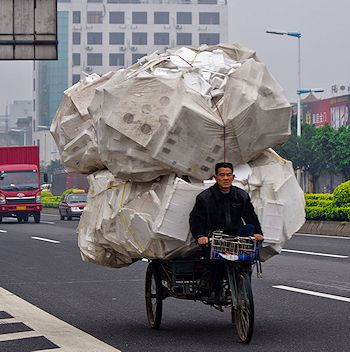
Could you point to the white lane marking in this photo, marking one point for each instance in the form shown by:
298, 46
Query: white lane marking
313, 293
45, 239
47, 222
62, 334
315, 253
323, 236
4, 231
47, 214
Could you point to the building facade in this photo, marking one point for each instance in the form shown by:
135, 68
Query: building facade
105, 35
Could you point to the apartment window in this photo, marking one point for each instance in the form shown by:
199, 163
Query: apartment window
184, 17
139, 18
76, 38
161, 18
116, 38
183, 38
209, 18
94, 38
116, 59
117, 17
63, 1
75, 79
94, 59
207, 1
76, 16
123, 1
161, 38
94, 17
95, 0
136, 57
76, 59
209, 38
139, 38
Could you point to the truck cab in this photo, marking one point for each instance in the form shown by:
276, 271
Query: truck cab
20, 193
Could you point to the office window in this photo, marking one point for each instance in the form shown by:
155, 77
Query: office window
139, 18
139, 38
76, 16
94, 38
209, 18
94, 17
117, 17
123, 1
116, 59
207, 1
116, 38
95, 1
161, 18
76, 59
183, 38
94, 59
209, 38
136, 57
76, 38
63, 1
75, 79
184, 17
161, 38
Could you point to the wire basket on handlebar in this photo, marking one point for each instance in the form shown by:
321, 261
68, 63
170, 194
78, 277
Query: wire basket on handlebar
233, 248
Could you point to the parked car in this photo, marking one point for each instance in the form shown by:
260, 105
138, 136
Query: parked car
72, 205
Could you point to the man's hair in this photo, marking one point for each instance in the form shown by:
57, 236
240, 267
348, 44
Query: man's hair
223, 164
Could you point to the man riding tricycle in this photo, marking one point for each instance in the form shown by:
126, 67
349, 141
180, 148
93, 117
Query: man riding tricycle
228, 233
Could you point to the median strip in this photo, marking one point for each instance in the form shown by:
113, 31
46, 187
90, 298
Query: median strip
313, 293
315, 253
45, 239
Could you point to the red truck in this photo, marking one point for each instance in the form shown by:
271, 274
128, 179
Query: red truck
20, 194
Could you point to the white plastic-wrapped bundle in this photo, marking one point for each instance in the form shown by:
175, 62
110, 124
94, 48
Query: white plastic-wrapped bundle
173, 112
127, 221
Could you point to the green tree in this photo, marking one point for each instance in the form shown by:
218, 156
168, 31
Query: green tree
341, 151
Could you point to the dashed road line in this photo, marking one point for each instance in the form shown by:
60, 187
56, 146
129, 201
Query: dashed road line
3, 231
313, 293
315, 253
323, 236
46, 326
47, 222
45, 239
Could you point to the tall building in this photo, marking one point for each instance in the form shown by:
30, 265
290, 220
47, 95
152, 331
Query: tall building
105, 35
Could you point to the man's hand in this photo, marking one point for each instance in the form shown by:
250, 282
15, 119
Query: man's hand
259, 236
203, 240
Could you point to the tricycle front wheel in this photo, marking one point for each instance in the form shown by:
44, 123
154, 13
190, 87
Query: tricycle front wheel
153, 295
243, 312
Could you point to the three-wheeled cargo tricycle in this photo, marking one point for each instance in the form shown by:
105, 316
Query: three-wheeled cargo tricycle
190, 279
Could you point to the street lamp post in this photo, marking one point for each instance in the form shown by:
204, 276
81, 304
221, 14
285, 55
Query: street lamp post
298, 36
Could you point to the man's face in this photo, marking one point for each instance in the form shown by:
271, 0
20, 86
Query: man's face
224, 178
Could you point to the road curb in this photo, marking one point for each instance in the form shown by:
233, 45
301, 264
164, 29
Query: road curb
330, 228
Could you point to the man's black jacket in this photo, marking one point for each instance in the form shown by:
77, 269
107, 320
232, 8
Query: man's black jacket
215, 210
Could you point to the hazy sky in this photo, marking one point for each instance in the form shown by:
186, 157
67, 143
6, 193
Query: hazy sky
325, 45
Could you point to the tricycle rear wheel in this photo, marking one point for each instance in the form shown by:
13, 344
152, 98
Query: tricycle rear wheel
243, 312
153, 295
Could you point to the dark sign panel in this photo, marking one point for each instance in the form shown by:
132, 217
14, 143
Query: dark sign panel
28, 30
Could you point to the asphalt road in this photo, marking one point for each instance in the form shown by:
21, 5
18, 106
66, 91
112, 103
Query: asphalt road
105, 307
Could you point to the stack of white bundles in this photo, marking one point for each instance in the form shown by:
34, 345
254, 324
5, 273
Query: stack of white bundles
139, 130
127, 221
174, 112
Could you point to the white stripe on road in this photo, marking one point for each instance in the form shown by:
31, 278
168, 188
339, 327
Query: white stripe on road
45, 239
47, 222
17, 335
66, 336
4, 231
315, 253
323, 236
312, 293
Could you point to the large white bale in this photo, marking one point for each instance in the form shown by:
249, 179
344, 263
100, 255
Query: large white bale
127, 221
